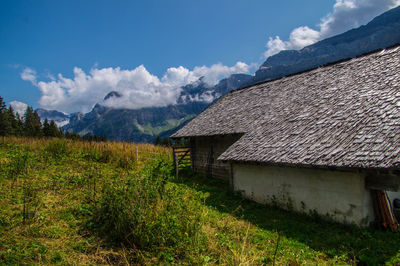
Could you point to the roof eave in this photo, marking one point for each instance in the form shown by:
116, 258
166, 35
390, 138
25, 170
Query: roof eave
314, 166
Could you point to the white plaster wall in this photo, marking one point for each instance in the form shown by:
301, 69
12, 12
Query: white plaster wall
342, 195
393, 195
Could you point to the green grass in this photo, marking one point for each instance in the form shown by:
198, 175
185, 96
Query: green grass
64, 202
304, 239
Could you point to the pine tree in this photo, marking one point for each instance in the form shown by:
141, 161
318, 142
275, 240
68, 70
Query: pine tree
60, 133
158, 141
20, 126
2, 104
53, 130
5, 126
28, 122
12, 121
32, 125
73, 136
166, 142
46, 128
38, 125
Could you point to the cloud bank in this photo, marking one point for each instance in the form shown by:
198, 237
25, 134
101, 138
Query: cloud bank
138, 87
19, 107
346, 14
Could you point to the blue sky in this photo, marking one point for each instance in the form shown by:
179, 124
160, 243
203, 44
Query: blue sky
66, 55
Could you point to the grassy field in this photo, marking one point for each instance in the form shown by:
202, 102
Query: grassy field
64, 202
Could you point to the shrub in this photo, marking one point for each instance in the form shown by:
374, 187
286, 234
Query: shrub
145, 212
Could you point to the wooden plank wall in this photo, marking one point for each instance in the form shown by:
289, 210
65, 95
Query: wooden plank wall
206, 150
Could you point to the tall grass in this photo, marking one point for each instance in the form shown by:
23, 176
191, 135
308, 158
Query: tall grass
51, 186
143, 212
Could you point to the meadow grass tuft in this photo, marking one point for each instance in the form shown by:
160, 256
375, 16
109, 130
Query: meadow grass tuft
144, 212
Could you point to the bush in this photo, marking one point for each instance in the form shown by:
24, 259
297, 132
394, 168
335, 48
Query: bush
144, 212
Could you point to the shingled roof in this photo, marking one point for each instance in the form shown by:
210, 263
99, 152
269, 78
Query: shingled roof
345, 115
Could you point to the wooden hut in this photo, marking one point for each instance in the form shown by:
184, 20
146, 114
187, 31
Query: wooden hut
318, 141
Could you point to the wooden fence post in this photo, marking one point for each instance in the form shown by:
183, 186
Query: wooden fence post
177, 169
175, 161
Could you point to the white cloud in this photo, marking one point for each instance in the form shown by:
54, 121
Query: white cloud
29, 74
346, 14
138, 87
214, 73
19, 107
207, 96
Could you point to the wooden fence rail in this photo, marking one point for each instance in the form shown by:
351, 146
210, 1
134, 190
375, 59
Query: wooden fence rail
182, 158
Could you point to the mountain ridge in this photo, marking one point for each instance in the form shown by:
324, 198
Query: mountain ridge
145, 124
381, 32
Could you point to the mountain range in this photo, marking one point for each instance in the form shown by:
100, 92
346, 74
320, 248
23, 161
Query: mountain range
61, 119
145, 124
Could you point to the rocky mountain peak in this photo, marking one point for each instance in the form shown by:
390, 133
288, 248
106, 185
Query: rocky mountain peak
112, 94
